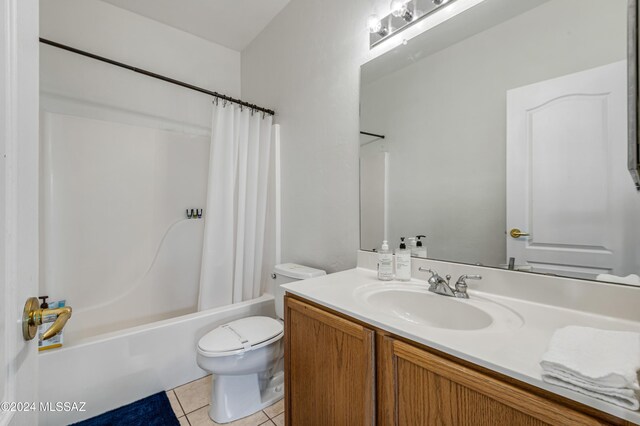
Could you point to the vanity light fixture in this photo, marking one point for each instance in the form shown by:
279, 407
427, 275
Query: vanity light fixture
403, 13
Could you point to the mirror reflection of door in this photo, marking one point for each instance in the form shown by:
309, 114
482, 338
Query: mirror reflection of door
566, 180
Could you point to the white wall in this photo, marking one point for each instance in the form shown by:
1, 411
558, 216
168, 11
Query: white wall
445, 121
305, 64
106, 30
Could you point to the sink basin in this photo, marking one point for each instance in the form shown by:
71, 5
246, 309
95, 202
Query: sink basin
415, 304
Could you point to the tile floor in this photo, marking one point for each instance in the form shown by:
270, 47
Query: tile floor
190, 402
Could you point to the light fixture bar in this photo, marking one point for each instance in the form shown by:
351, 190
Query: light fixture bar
402, 18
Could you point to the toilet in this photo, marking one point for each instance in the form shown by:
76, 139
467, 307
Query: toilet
245, 356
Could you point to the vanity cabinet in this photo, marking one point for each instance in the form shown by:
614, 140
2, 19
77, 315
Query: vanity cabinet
330, 379
329, 368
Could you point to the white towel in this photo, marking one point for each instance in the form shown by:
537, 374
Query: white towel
624, 397
600, 363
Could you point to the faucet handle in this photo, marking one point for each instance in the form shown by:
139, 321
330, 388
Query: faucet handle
421, 269
461, 285
433, 279
470, 277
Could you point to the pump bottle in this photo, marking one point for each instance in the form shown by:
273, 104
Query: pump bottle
403, 262
385, 263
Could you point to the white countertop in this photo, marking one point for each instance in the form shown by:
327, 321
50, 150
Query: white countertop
514, 352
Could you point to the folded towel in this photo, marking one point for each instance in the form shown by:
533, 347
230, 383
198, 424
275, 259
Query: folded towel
600, 363
626, 398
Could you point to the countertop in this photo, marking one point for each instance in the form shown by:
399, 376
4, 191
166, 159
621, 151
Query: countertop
514, 351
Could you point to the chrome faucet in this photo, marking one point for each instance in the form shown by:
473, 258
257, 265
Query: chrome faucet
440, 285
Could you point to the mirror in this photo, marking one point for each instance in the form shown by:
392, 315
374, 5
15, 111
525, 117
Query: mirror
634, 92
502, 136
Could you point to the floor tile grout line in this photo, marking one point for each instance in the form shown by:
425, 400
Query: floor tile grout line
184, 414
274, 416
184, 384
199, 408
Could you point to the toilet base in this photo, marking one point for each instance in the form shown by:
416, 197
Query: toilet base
235, 397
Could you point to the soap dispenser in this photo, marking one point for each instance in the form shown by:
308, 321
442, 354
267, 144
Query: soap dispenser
385, 263
411, 244
403, 262
420, 250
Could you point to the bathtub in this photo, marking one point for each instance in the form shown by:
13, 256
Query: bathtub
114, 369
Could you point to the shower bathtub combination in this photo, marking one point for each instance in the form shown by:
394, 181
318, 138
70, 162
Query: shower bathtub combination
117, 244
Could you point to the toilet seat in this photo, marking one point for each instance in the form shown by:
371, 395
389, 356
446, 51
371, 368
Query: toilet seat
240, 336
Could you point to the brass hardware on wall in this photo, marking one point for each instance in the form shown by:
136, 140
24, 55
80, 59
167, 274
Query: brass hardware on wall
33, 316
516, 233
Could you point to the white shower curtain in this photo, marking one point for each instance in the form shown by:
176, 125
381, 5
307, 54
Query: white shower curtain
236, 209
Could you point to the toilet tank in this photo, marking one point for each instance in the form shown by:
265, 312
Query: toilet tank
287, 273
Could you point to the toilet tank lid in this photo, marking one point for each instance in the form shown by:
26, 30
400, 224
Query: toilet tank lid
298, 272
240, 335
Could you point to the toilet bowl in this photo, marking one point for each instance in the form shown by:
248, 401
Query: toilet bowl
246, 356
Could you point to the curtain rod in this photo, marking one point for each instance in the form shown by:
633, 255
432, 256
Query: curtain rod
372, 134
157, 76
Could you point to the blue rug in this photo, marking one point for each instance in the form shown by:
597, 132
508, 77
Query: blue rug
154, 410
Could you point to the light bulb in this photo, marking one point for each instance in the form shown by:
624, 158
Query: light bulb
373, 23
399, 9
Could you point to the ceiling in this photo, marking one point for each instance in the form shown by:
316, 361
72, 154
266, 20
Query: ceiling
230, 23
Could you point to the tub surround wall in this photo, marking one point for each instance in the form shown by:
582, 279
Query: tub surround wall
116, 242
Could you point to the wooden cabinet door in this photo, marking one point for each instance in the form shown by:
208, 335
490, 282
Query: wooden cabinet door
329, 368
431, 390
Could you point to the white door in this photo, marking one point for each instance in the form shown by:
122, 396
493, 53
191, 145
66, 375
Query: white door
18, 203
566, 173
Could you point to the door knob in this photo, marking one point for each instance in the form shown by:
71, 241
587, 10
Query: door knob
516, 233
34, 316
